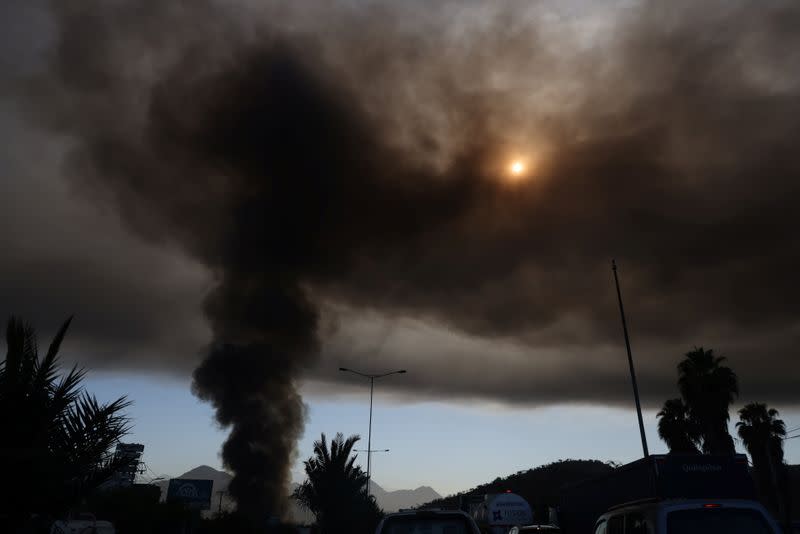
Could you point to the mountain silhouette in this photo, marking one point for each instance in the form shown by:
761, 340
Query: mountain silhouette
389, 501
540, 486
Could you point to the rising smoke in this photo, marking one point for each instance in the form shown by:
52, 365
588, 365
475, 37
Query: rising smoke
252, 159
361, 160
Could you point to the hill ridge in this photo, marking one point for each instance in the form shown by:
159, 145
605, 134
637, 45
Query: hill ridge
390, 501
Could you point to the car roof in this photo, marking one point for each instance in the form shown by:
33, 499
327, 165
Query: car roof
430, 514
648, 504
426, 512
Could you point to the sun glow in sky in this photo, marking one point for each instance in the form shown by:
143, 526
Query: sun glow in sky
517, 170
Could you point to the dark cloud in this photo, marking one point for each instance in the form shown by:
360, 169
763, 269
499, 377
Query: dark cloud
341, 169
136, 305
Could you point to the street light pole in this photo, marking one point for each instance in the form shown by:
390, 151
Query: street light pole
372, 378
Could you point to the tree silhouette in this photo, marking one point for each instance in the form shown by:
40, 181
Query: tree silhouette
335, 488
57, 439
708, 389
762, 434
677, 429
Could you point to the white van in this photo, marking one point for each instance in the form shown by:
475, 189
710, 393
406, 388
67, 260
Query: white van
693, 516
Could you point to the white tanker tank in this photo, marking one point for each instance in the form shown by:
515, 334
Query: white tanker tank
499, 512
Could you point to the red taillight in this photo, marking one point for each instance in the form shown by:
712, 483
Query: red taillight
710, 505
508, 491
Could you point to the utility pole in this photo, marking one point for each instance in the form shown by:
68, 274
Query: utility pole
630, 362
219, 508
369, 435
775, 486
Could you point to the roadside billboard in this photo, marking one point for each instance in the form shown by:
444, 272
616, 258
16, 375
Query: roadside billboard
193, 493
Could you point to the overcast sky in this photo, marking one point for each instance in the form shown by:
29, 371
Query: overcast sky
661, 135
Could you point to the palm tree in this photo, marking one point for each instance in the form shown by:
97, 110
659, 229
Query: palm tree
708, 389
335, 490
57, 439
677, 429
762, 434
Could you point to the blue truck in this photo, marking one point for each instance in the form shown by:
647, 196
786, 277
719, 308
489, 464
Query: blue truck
668, 494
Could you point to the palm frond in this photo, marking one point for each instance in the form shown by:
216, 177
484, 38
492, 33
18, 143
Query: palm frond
71, 433
46, 370
321, 450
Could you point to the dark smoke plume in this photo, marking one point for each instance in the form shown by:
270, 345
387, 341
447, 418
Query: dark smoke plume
357, 156
274, 178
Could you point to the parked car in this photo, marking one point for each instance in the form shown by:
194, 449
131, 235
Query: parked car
688, 517
82, 524
427, 522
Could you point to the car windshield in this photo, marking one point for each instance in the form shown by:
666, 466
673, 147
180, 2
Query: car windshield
717, 521
434, 525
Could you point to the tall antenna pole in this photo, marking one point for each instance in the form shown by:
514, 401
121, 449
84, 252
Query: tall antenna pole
369, 435
630, 362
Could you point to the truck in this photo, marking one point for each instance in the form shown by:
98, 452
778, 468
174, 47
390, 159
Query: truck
652, 487
497, 513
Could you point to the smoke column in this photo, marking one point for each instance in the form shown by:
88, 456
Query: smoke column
261, 168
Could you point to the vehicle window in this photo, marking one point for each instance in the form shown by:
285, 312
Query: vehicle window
717, 521
615, 525
635, 524
600, 528
412, 525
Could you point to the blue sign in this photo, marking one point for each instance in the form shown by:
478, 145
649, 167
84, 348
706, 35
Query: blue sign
194, 493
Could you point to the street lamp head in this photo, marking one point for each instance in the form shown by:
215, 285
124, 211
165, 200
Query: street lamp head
343, 369
401, 371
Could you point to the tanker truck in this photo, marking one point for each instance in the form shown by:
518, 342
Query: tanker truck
497, 513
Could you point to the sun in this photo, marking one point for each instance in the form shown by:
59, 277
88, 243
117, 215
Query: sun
521, 166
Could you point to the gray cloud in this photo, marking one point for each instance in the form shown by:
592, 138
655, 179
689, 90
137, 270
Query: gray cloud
664, 139
136, 305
